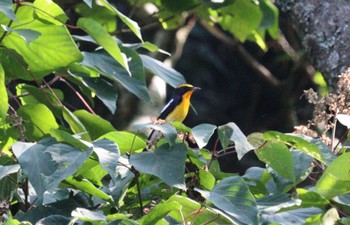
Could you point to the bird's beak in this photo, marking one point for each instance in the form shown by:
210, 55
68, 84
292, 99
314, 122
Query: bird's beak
196, 88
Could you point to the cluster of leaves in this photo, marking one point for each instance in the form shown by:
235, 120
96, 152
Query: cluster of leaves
64, 166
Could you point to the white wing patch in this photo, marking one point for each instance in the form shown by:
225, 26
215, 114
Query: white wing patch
166, 106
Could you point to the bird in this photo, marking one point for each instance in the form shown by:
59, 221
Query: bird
176, 109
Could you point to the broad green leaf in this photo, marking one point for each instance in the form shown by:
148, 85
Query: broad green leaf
290, 217
54, 219
297, 142
206, 179
230, 132
168, 74
102, 37
27, 34
181, 127
202, 133
95, 125
108, 154
75, 124
88, 215
271, 204
14, 65
96, 11
311, 199
240, 18
188, 209
111, 69
4, 105
270, 18
91, 171
38, 120
326, 153
167, 163
336, 178
65, 137
166, 129
233, 197
49, 11
104, 90
12, 221
278, 157
54, 46
87, 187
129, 22
47, 163
6, 8
7, 170
62, 208
159, 212
127, 142
302, 165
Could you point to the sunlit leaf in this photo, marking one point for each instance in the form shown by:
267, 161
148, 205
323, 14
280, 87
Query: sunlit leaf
4, 105
127, 142
202, 133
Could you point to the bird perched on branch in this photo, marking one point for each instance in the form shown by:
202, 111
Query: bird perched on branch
176, 109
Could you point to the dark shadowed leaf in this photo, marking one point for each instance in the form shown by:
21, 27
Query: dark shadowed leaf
167, 163
202, 133
232, 195
166, 129
54, 219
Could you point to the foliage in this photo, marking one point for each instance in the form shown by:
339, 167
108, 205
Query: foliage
59, 165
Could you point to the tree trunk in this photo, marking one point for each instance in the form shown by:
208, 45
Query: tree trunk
323, 28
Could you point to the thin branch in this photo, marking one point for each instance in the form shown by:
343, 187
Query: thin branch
79, 95
342, 138
214, 153
248, 58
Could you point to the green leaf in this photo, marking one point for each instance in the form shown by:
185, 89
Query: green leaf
168, 74
6, 8
101, 14
104, 90
54, 46
230, 132
4, 105
273, 203
159, 212
7, 170
54, 219
94, 124
233, 197
49, 11
102, 37
202, 133
38, 120
88, 215
108, 154
166, 129
335, 181
311, 199
127, 142
27, 34
75, 124
167, 163
326, 153
295, 216
206, 179
240, 18
111, 69
188, 206
14, 65
297, 142
278, 157
65, 137
87, 187
302, 165
47, 163
270, 18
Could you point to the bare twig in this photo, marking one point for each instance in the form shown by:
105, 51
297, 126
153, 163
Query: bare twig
248, 58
